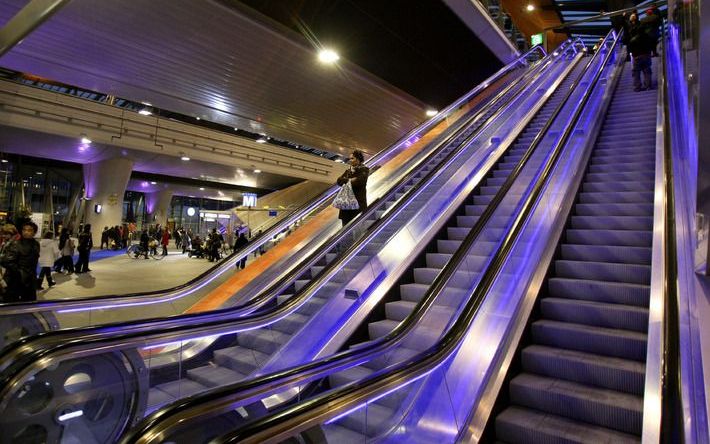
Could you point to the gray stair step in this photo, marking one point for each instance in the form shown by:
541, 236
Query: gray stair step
611, 209
263, 340
617, 197
631, 238
291, 323
181, 388
639, 223
603, 271
622, 167
370, 420
606, 253
449, 297
240, 359
585, 368
605, 341
614, 292
214, 376
517, 425
601, 407
599, 314
398, 310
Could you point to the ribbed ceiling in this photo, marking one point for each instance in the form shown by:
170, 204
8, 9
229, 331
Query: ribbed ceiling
204, 59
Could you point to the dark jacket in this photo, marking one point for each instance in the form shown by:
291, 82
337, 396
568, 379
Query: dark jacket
241, 242
85, 242
359, 183
20, 258
641, 41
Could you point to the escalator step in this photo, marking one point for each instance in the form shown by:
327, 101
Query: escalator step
585, 368
613, 209
240, 359
604, 341
601, 407
525, 426
599, 314
613, 292
612, 222
631, 238
606, 253
616, 197
603, 271
213, 376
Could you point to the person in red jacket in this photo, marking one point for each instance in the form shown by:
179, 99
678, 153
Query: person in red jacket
164, 241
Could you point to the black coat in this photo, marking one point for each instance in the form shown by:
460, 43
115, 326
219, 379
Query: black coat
359, 183
20, 258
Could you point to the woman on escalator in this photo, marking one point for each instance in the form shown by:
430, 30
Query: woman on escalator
357, 175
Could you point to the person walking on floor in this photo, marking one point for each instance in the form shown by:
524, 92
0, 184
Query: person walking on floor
104, 238
48, 255
85, 246
19, 258
66, 248
165, 241
240, 243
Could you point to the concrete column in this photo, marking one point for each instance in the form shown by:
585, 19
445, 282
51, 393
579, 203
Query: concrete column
105, 183
158, 204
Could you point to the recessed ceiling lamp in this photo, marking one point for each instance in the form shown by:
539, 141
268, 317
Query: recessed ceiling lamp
328, 56
530, 7
39, 173
145, 112
202, 188
154, 183
198, 118
431, 112
4, 160
85, 140
257, 171
261, 140
184, 157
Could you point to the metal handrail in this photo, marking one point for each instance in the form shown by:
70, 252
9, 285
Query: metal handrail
256, 388
672, 427
306, 413
605, 15
75, 343
259, 240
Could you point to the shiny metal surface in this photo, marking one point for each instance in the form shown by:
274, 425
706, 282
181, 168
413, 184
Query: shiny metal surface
652, 396
208, 60
372, 387
32, 15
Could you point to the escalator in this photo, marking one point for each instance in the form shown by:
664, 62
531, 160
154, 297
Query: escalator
582, 368
21, 320
197, 374
360, 428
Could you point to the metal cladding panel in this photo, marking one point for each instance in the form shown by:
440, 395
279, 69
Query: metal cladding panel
204, 59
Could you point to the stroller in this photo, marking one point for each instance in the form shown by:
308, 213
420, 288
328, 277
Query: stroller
196, 249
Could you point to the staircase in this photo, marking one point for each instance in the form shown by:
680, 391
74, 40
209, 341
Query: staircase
582, 376
377, 417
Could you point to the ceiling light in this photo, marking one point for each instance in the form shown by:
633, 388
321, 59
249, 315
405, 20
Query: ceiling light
431, 112
4, 161
257, 171
85, 140
261, 140
202, 188
236, 129
185, 158
145, 112
147, 103
153, 183
39, 173
530, 7
197, 118
328, 56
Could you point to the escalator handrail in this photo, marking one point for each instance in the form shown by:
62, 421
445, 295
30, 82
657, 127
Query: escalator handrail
355, 355
672, 425
298, 213
307, 412
20, 356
